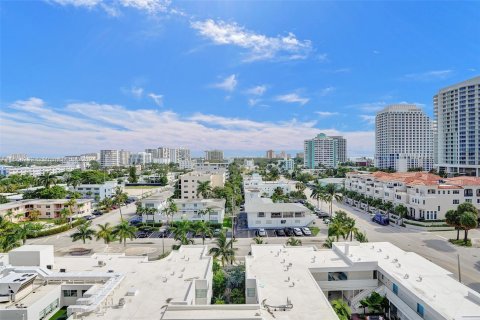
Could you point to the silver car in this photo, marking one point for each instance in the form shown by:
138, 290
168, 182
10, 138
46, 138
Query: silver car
297, 232
306, 231
261, 232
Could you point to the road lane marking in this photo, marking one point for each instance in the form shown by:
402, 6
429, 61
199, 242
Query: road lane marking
442, 237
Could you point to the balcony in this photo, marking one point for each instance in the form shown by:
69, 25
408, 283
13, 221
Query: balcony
348, 284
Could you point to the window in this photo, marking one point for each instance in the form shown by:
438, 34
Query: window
395, 289
420, 310
200, 293
251, 292
69, 293
288, 214
275, 215
456, 201
299, 214
261, 215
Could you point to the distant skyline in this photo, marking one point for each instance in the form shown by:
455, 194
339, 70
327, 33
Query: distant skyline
78, 76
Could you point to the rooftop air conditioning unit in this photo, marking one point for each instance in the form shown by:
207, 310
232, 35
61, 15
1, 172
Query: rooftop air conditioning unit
49, 267
63, 270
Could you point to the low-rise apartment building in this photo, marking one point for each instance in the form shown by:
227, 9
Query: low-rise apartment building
96, 191
189, 182
267, 188
47, 208
212, 210
426, 196
37, 170
264, 213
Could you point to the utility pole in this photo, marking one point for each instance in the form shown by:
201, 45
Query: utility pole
459, 272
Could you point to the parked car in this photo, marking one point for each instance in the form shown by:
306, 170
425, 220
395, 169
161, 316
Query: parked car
322, 215
297, 232
326, 221
289, 232
88, 218
306, 231
142, 234
261, 232
97, 213
217, 232
280, 233
114, 207
380, 219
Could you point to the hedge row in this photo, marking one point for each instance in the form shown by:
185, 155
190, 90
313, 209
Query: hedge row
52, 231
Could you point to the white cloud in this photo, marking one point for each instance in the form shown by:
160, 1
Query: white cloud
429, 75
325, 114
322, 57
137, 92
326, 91
228, 84
292, 98
157, 98
376, 52
32, 124
258, 46
111, 7
253, 102
368, 118
257, 91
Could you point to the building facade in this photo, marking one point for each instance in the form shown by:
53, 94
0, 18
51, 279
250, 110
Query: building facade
38, 170
270, 154
426, 196
123, 157
457, 116
109, 158
214, 155
47, 208
404, 138
96, 191
188, 182
140, 158
324, 151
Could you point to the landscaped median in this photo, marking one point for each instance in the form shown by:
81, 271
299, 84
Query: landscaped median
426, 225
55, 230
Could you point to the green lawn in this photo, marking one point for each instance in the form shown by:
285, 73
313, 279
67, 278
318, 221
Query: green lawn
60, 314
315, 230
142, 187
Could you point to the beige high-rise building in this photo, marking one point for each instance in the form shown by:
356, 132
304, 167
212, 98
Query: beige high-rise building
189, 182
270, 154
124, 157
109, 158
214, 155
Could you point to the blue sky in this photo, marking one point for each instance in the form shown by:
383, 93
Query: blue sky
247, 76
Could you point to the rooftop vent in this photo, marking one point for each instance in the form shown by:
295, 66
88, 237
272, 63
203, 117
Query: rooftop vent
63, 270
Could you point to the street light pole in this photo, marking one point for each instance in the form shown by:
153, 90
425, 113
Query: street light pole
459, 272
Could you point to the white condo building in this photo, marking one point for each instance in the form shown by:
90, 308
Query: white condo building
140, 158
281, 283
214, 155
457, 115
426, 196
123, 157
404, 138
324, 151
109, 158
37, 170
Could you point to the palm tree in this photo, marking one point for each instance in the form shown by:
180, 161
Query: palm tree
9, 215
64, 213
300, 186
119, 198
349, 228
374, 302
337, 229
258, 240
293, 242
180, 232
124, 231
223, 249
105, 232
71, 203
333, 194
170, 209
203, 228
342, 309
361, 236
47, 179
468, 221
208, 210
452, 218
317, 192
204, 189
329, 242
84, 232
149, 212
401, 211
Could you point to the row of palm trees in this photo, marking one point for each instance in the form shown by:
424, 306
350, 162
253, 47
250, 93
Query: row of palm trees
326, 193
343, 226
106, 232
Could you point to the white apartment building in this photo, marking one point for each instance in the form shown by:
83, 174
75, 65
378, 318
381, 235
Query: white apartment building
214, 155
266, 188
304, 280
457, 115
82, 161
188, 209
48, 208
249, 164
324, 151
286, 164
281, 283
140, 158
189, 182
124, 157
426, 196
34, 285
404, 138
264, 213
91, 191
186, 164
109, 158
212, 165
37, 170
17, 157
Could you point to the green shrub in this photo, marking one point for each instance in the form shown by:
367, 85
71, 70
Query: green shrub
461, 242
52, 231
